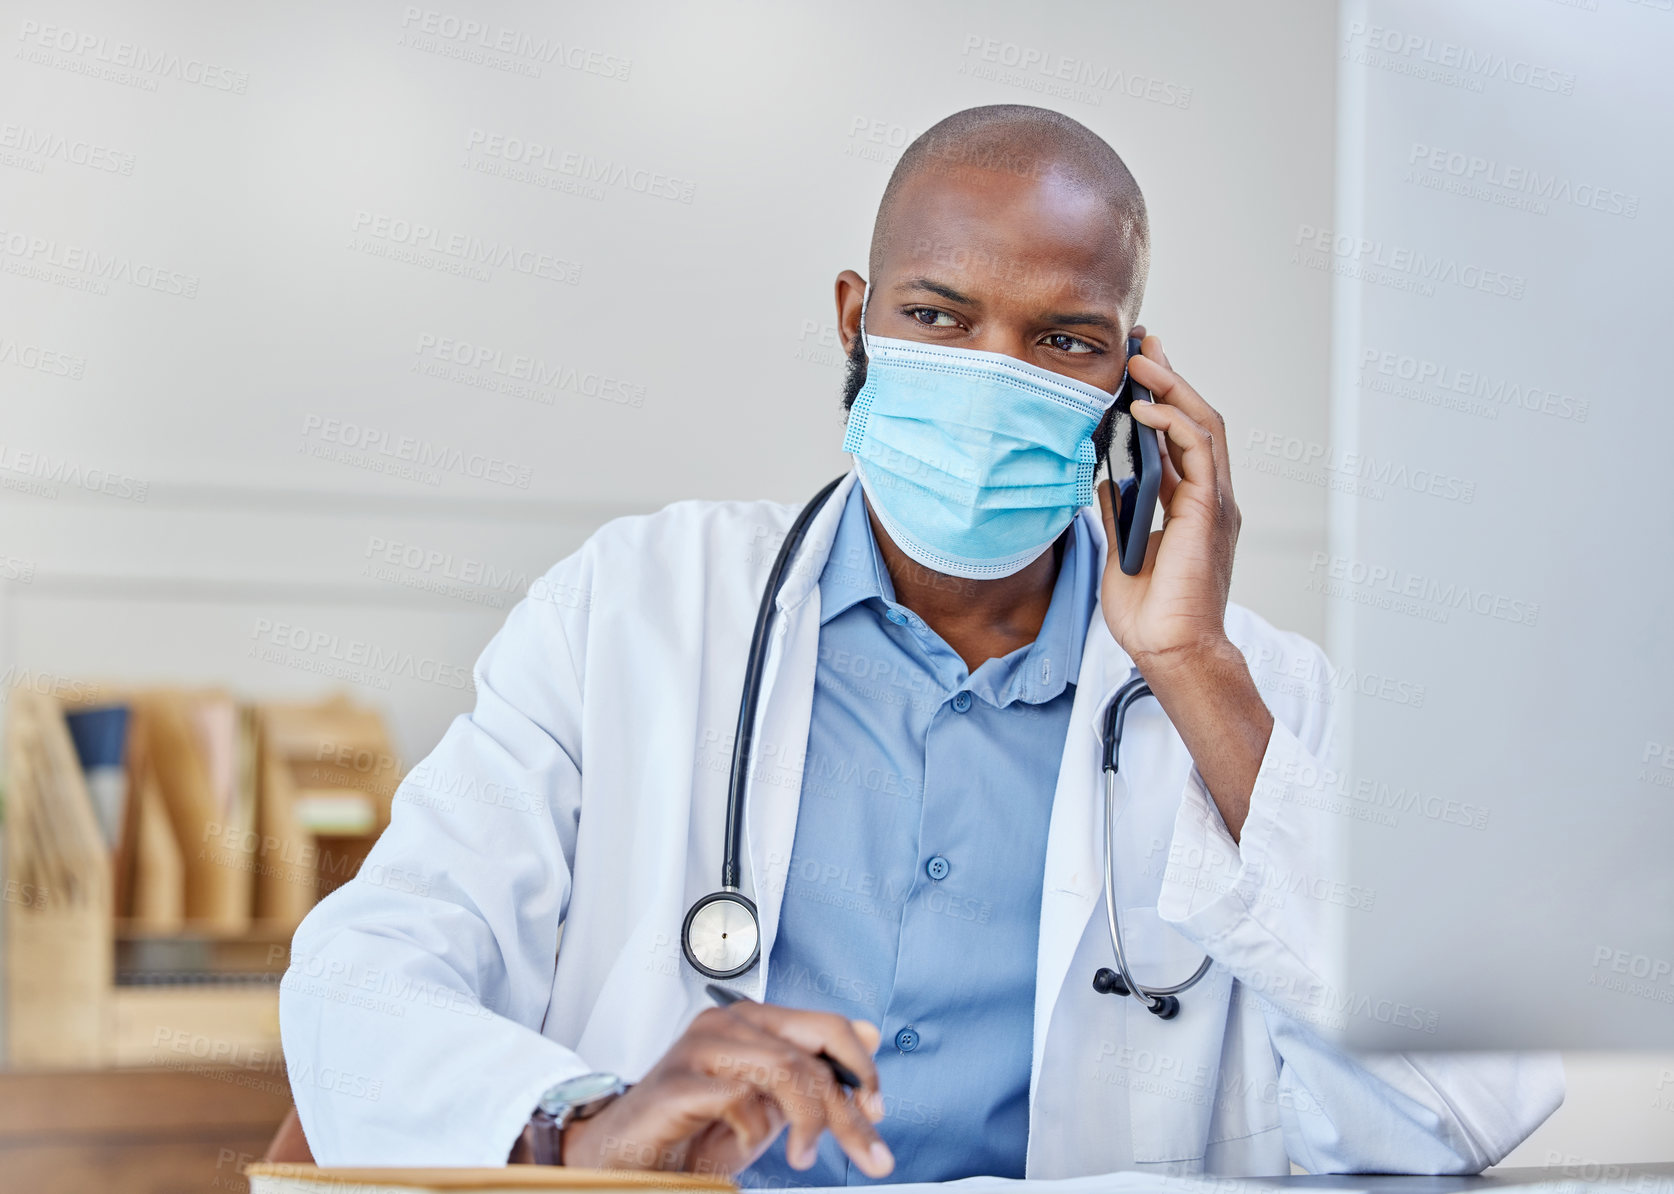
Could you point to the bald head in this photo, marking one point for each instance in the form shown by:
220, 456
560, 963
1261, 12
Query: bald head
1025, 144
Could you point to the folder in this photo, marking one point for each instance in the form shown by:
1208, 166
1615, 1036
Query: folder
216, 857
283, 1177
58, 905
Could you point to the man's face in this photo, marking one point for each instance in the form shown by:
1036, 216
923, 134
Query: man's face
1032, 267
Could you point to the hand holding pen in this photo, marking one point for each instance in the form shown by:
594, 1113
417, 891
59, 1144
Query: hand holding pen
845, 1076
739, 1075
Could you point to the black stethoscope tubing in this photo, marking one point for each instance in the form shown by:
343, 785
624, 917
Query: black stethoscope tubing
744, 735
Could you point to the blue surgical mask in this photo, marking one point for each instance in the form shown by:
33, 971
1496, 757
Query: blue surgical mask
974, 462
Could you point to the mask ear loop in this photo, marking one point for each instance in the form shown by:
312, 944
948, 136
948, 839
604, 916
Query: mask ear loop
865, 297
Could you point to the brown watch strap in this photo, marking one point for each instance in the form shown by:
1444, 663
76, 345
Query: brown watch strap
540, 1142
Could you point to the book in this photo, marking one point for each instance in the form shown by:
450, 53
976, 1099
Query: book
283, 1177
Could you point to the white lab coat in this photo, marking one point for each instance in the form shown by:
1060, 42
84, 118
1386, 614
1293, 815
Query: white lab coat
428, 1004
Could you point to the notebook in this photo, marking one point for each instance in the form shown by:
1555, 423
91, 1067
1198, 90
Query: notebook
274, 1177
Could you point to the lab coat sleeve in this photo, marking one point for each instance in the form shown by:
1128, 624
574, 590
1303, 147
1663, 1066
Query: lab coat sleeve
411, 1010
1268, 907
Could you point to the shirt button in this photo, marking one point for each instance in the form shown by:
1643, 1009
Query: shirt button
896, 616
906, 1040
961, 702
938, 867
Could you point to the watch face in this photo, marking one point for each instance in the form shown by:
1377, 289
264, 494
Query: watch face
577, 1092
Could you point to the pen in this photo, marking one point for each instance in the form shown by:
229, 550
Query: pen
845, 1076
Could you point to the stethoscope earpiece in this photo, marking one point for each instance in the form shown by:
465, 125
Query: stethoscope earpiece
1107, 982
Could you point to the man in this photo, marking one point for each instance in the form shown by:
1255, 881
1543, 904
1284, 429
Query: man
922, 829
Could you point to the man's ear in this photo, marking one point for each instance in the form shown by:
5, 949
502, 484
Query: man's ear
851, 290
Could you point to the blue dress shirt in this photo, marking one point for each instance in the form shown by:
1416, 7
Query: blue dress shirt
914, 890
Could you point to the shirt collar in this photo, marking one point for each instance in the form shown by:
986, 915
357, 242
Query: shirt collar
855, 569
855, 572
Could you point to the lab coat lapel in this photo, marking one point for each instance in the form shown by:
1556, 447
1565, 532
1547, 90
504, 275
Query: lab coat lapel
1074, 877
786, 707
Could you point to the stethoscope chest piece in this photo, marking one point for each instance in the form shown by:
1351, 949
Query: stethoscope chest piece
721, 937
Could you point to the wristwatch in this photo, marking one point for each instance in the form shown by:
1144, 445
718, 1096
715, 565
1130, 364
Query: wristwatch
562, 1104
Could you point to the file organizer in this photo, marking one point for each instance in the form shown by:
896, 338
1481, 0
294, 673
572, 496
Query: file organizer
166, 949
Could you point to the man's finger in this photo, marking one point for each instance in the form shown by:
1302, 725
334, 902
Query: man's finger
816, 1032
751, 1123
801, 1084
854, 1133
1173, 390
1196, 456
1169, 479
1152, 347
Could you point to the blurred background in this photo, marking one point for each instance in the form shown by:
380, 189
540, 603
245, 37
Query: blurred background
325, 330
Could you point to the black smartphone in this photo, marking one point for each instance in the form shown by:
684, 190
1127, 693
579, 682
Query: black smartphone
1137, 504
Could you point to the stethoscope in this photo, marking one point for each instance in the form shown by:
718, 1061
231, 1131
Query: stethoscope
721, 936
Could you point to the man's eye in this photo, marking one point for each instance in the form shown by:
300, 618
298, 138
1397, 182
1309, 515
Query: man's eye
928, 316
1065, 343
